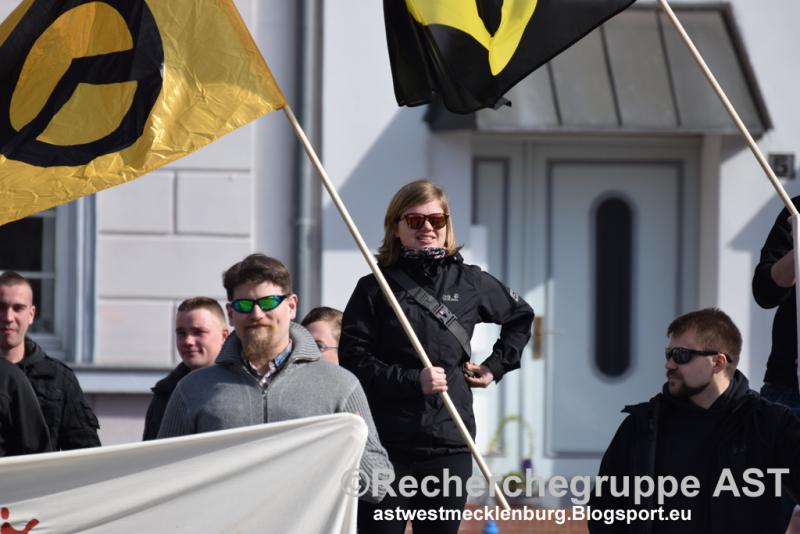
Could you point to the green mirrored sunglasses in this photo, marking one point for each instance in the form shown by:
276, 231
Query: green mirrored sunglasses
270, 302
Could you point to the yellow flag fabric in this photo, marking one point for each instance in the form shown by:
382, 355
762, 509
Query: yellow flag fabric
95, 94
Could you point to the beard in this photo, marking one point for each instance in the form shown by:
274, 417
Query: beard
681, 389
256, 344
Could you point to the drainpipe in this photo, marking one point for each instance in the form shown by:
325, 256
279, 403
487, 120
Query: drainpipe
306, 242
274, 169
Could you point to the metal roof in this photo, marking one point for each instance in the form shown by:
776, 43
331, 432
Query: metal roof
632, 75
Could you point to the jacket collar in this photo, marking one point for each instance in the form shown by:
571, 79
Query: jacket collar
33, 353
732, 399
169, 382
426, 267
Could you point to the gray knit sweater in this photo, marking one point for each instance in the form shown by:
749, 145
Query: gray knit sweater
226, 395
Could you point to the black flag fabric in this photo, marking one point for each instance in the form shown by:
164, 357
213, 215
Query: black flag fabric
471, 52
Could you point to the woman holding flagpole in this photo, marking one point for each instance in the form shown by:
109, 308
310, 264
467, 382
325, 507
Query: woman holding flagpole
444, 299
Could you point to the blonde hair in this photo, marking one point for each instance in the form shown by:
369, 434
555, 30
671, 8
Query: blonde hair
412, 194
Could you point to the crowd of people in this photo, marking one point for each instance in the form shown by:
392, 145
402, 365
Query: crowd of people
252, 363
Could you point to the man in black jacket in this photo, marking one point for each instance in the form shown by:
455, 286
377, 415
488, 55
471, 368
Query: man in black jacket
22, 426
708, 426
70, 420
200, 330
774, 286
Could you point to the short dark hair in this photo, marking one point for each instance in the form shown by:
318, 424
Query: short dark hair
12, 278
714, 330
323, 313
255, 269
203, 303
329, 315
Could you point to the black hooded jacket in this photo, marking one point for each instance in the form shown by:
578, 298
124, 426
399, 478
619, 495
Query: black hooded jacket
22, 426
782, 362
669, 436
158, 405
375, 348
70, 419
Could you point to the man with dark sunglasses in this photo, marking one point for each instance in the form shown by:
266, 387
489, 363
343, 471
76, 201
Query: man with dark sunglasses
708, 425
269, 370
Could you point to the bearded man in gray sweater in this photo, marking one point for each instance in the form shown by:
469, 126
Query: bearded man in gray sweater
269, 370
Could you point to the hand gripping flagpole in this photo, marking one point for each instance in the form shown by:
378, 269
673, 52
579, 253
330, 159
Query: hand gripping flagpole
384, 285
794, 216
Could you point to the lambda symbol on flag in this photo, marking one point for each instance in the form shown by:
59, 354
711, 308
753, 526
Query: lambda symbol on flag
471, 52
464, 16
6, 527
74, 98
96, 93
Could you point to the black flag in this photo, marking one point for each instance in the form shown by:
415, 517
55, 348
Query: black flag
471, 52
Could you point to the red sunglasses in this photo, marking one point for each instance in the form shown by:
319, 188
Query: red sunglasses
415, 221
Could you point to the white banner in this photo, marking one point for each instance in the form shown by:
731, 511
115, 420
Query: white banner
281, 477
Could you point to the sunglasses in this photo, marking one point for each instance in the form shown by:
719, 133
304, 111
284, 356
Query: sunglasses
270, 302
323, 347
681, 355
415, 221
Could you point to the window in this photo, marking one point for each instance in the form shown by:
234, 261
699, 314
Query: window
28, 247
613, 267
54, 250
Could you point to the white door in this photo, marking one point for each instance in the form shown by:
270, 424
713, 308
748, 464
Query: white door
613, 278
600, 236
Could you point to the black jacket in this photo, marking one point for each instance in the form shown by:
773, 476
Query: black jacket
782, 362
374, 347
22, 426
158, 405
749, 432
70, 419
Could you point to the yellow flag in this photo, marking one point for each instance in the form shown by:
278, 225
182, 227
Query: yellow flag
95, 94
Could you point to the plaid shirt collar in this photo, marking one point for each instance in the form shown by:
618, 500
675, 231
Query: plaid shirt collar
274, 365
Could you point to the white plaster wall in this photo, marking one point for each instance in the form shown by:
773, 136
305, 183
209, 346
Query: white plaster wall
370, 146
739, 208
170, 235
748, 204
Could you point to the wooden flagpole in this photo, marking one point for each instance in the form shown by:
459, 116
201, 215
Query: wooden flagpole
729, 107
753, 147
384, 285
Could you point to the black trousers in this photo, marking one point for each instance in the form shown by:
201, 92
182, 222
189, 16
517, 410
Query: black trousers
372, 517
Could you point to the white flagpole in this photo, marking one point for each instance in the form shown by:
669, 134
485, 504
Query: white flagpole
729, 107
384, 285
753, 147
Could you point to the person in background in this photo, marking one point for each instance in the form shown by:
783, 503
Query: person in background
70, 420
774, 287
200, 330
325, 326
23, 429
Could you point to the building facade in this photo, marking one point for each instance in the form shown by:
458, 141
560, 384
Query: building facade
613, 195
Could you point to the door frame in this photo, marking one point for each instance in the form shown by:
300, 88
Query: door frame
530, 160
